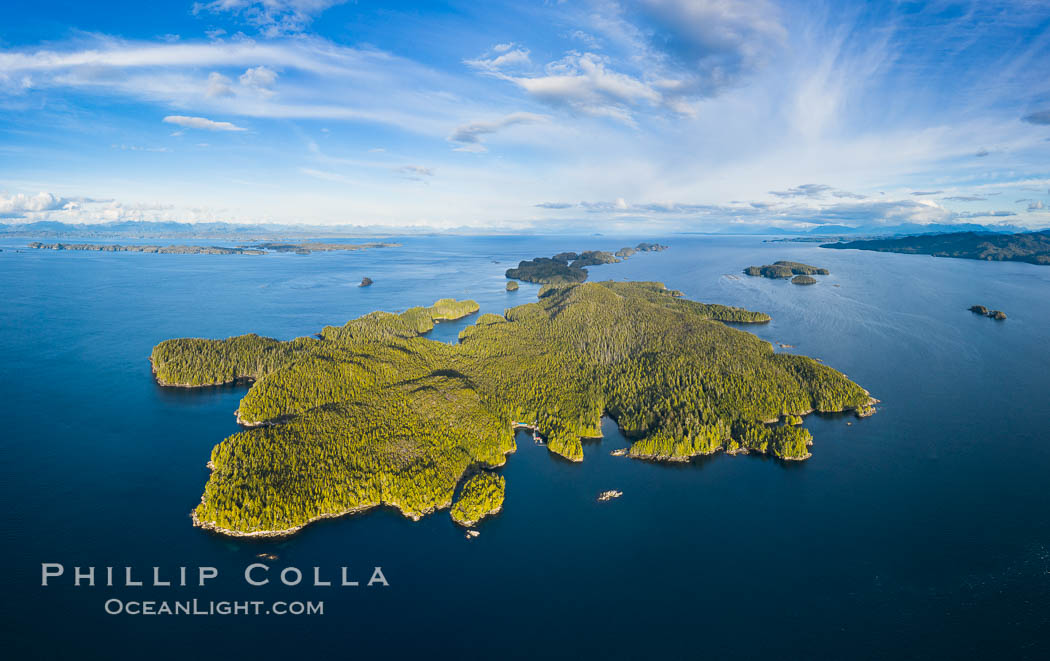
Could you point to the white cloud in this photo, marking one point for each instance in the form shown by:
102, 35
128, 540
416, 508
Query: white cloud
789, 215
505, 58
19, 204
201, 123
49, 206
417, 170
468, 136
272, 17
805, 190
218, 85
259, 78
126, 147
584, 83
319, 79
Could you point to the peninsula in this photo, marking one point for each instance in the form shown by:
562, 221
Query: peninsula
1031, 247
373, 413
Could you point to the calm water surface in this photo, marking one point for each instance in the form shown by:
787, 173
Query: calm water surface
922, 532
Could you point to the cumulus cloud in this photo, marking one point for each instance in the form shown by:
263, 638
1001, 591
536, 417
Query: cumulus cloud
805, 190
46, 206
218, 85
1041, 117
468, 136
670, 54
271, 17
260, 78
19, 204
201, 123
585, 83
844, 194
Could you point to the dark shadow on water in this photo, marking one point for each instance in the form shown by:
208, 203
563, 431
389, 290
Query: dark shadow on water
176, 394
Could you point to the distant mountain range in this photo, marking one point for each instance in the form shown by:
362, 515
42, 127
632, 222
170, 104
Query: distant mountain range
175, 230
263, 231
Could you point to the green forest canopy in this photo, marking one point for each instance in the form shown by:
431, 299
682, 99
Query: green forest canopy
785, 269
569, 267
375, 413
1031, 247
481, 496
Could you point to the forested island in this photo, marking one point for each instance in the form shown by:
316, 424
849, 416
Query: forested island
1031, 247
257, 249
785, 269
570, 267
373, 413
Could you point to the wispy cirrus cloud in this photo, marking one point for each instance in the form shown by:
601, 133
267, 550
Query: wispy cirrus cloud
805, 190
501, 57
785, 215
686, 105
468, 137
416, 172
201, 123
271, 17
304, 77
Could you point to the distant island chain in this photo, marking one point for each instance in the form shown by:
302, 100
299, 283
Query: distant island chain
301, 248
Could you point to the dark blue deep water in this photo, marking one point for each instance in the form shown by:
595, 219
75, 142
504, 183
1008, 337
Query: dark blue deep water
922, 532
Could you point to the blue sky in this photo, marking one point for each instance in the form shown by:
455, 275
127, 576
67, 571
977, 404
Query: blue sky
653, 115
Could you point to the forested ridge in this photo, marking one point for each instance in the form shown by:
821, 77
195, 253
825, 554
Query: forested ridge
374, 413
1031, 247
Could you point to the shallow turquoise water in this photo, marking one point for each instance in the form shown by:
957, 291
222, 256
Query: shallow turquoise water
921, 532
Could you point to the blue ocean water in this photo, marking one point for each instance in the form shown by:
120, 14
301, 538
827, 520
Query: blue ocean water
922, 532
